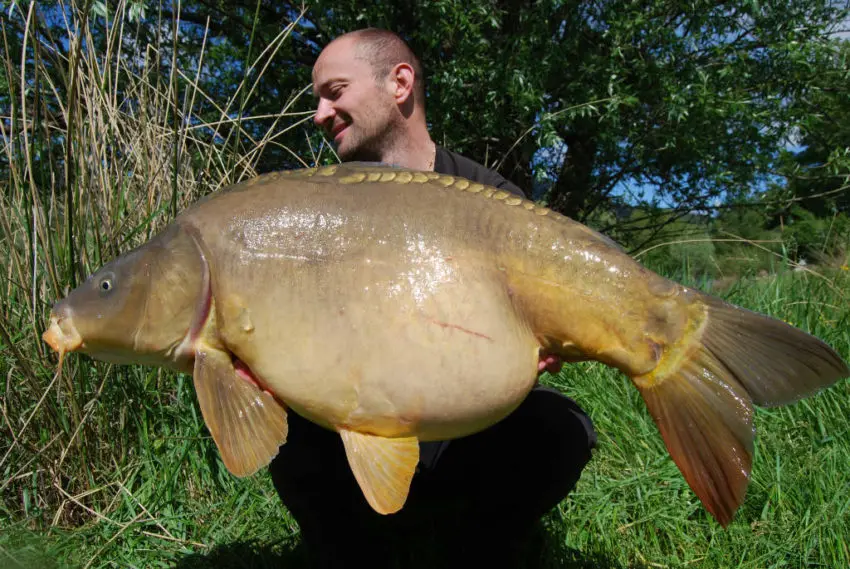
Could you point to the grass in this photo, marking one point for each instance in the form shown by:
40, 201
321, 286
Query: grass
634, 502
170, 503
108, 466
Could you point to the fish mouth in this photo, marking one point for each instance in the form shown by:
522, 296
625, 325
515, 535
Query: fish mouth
62, 335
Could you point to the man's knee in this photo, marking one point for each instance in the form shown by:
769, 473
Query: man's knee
310, 472
559, 438
527, 462
560, 417
534, 456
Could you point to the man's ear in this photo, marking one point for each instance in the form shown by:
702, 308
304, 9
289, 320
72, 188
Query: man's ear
401, 80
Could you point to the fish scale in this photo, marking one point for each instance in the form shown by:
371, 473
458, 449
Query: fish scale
396, 306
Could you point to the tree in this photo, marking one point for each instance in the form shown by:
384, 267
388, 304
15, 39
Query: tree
818, 169
690, 102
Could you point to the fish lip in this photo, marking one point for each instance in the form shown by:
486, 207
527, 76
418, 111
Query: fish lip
62, 335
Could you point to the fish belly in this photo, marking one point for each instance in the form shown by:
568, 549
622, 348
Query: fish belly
398, 312
433, 347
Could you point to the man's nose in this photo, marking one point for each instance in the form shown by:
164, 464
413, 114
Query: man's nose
324, 111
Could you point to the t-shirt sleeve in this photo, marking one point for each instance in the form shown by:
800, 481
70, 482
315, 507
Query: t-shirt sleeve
448, 162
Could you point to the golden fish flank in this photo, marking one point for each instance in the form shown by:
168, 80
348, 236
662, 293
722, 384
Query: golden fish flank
462, 283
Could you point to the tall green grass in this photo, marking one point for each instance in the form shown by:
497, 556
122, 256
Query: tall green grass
106, 138
634, 503
107, 466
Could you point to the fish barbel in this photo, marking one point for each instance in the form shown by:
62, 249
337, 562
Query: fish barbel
395, 306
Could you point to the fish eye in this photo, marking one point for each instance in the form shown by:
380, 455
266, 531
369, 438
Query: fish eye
106, 284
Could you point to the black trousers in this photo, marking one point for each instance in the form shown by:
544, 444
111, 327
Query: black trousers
469, 494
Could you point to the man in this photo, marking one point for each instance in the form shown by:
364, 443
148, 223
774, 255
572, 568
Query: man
371, 101
478, 495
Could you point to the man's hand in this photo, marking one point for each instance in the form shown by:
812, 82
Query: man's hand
550, 363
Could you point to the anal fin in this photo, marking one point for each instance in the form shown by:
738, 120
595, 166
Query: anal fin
247, 423
383, 467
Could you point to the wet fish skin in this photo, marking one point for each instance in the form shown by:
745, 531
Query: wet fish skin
139, 308
396, 306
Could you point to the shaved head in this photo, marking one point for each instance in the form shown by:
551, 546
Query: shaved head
383, 50
370, 99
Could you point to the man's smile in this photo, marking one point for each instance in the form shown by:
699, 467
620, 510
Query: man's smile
337, 131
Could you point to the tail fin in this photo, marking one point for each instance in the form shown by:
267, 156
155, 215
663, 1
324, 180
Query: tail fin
702, 391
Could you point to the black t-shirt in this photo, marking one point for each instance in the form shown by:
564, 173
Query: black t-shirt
452, 163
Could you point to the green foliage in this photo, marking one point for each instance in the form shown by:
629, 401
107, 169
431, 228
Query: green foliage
680, 247
723, 247
817, 239
818, 170
745, 245
98, 157
169, 502
692, 99
695, 100
107, 130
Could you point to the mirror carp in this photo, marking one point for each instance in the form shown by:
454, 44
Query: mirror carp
395, 306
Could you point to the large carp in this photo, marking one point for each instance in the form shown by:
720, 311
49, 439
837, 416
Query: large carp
396, 306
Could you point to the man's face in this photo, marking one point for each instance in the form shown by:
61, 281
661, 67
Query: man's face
352, 108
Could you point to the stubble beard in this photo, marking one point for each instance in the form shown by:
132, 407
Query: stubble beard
370, 141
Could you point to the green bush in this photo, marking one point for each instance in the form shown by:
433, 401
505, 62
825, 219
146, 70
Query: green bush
814, 239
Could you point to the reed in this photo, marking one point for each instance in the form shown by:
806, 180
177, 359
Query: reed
100, 149
104, 466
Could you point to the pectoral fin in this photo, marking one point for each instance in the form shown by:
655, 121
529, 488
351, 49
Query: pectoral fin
383, 467
247, 424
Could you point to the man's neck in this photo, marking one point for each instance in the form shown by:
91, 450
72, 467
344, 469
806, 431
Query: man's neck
415, 150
